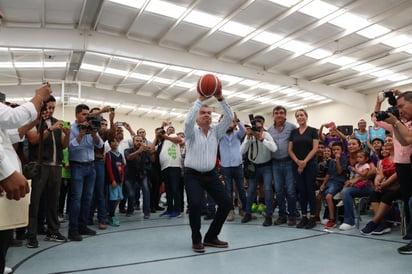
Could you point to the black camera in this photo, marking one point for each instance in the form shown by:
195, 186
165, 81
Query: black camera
95, 122
383, 114
390, 95
253, 123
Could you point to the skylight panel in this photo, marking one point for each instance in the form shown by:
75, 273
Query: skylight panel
342, 61
91, 67
4, 49
269, 86
6, 65
140, 76
373, 31
230, 79
236, 29
249, 83
54, 64
153, 64
398, 41
28, 64
396, 77
165, 8
25, 49
319, 54
305, 94
363, 67
116, 72
285, 3
181, 69
131, 3
288, 90
382, 73
349, 21
184, 84
162, 80
243, 95
268, 38
318, 9
296, 46
202, 19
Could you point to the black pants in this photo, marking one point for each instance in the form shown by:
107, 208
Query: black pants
5, 239
196, 184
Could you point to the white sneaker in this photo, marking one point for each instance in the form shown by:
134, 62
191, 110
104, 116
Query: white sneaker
338, 196
346, 227
340, 204
7, 270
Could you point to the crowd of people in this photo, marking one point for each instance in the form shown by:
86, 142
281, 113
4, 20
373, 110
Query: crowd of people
89, 170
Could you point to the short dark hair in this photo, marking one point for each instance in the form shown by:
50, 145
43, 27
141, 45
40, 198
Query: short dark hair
337, 144
260, 117
279, 108
407, 95
51, 99
81, 107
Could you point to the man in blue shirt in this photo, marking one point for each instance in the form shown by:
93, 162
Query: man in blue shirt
282, 167
83, 139
231, 162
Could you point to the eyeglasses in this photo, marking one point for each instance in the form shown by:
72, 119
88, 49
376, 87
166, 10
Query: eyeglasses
103, 124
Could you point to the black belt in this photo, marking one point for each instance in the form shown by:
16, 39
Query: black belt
82, 163
263, 164
283, 160
99, 159
189, 170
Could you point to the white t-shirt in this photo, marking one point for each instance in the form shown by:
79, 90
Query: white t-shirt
170, 154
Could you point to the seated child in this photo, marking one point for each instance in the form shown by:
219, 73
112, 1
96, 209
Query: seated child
333, 182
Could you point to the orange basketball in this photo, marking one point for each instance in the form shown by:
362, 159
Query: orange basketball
209, 85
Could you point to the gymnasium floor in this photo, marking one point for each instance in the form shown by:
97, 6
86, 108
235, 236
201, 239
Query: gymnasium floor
161, 245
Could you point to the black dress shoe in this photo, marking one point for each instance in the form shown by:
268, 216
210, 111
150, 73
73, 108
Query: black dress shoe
199, 248
216, 243
159, 208
87, 231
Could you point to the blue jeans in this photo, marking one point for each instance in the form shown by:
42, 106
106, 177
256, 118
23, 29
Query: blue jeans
231, 174
348, 193
99, 198
171, 177
262, 173
196, 184
82, 186
283, 177
306, 184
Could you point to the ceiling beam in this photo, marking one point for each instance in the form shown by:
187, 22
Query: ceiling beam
121, 46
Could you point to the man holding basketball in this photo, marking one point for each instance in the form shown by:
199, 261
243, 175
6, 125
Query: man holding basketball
200, 168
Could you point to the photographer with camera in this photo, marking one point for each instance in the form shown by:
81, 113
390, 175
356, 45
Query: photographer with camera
99, 192
259, 146
403, 151
55, 139
83, 139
